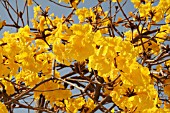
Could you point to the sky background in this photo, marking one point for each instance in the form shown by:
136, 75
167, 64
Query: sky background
58, 11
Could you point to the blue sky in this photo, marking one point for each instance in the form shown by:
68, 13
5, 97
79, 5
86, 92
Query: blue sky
57, 10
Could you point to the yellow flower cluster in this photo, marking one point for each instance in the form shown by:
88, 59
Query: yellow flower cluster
72, 105
29, 2
111, 57
73, 3
84, 13
147, 43
53, 91
19, 51
76, 45
3, 108
8, 87
156, 13
163, 34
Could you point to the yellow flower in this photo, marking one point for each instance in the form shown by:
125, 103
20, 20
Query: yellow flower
8, 87
3, 108
116, 0
41, 24
112, 111
165, 28
144, 9
84, 13
167, 63
2, 23
74, 104
136, 3
167, 19
90, 105
37, 10
29, 2
66, 1
167, 87
74, 3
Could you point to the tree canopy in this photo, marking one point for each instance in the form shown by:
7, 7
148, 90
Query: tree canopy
94, 59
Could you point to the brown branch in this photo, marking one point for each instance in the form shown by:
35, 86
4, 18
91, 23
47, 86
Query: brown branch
17, 26
98, 87
81, 89
33, 108
9, 14
26, 92
111, 23
106, 99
